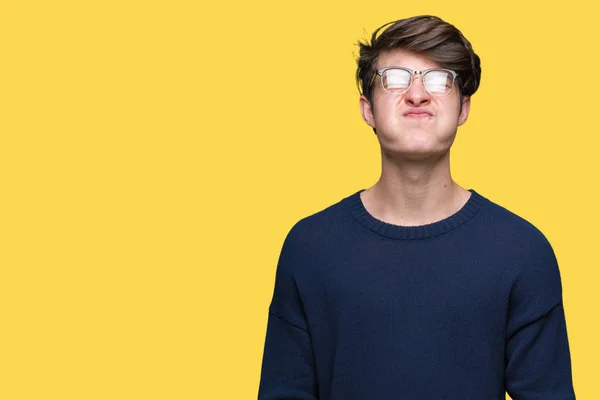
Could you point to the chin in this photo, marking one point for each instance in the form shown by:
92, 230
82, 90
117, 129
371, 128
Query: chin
414, 153
415, 143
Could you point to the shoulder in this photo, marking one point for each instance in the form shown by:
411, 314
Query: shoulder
524, 248
513, 228
316, 236
316, 227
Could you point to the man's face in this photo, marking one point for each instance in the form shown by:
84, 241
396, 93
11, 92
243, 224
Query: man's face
413, 125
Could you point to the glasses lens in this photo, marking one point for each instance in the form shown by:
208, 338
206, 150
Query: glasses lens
395, 80
438, 82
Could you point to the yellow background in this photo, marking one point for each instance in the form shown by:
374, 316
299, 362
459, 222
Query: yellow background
153, 156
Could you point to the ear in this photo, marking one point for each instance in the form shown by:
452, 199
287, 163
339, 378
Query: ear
367, 112
464, 112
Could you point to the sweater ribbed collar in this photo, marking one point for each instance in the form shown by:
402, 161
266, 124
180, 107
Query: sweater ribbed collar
360, 213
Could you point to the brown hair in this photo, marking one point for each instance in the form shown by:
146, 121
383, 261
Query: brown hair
426, 35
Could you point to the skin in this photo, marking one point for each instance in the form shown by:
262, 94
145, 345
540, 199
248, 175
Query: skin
415, 132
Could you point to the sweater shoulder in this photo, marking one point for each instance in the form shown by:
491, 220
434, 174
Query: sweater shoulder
509, 222
517, 237
524, 251
321, 222
314, 237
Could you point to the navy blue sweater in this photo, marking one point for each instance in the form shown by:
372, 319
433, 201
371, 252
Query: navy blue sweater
466, 308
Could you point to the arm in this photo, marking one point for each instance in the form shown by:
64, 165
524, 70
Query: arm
537, 358
288, 365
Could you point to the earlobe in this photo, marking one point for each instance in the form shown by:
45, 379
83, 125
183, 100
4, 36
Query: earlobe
366, 111
464, 113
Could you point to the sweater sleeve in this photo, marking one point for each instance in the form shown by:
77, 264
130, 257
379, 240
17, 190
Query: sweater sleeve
288, 370
537, 358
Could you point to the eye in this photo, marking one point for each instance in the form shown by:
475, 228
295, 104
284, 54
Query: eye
438, 81
396, 79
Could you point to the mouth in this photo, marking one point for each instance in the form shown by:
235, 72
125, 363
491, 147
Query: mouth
417, 114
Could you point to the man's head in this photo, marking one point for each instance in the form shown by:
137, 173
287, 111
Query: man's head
427, 36
413, 106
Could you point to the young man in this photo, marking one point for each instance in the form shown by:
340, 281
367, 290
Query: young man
416, 288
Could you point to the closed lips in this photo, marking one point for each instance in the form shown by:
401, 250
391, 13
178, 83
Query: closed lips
417, 113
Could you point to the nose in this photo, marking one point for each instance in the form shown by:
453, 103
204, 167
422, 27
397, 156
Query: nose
416, 94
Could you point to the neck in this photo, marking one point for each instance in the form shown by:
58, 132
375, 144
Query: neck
414, 193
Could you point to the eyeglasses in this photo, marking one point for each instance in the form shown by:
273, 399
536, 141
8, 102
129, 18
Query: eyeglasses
397, 80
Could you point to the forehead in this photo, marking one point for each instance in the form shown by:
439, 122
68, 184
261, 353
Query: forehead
404, 58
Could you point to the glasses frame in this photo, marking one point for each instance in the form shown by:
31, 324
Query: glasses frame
412, 73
